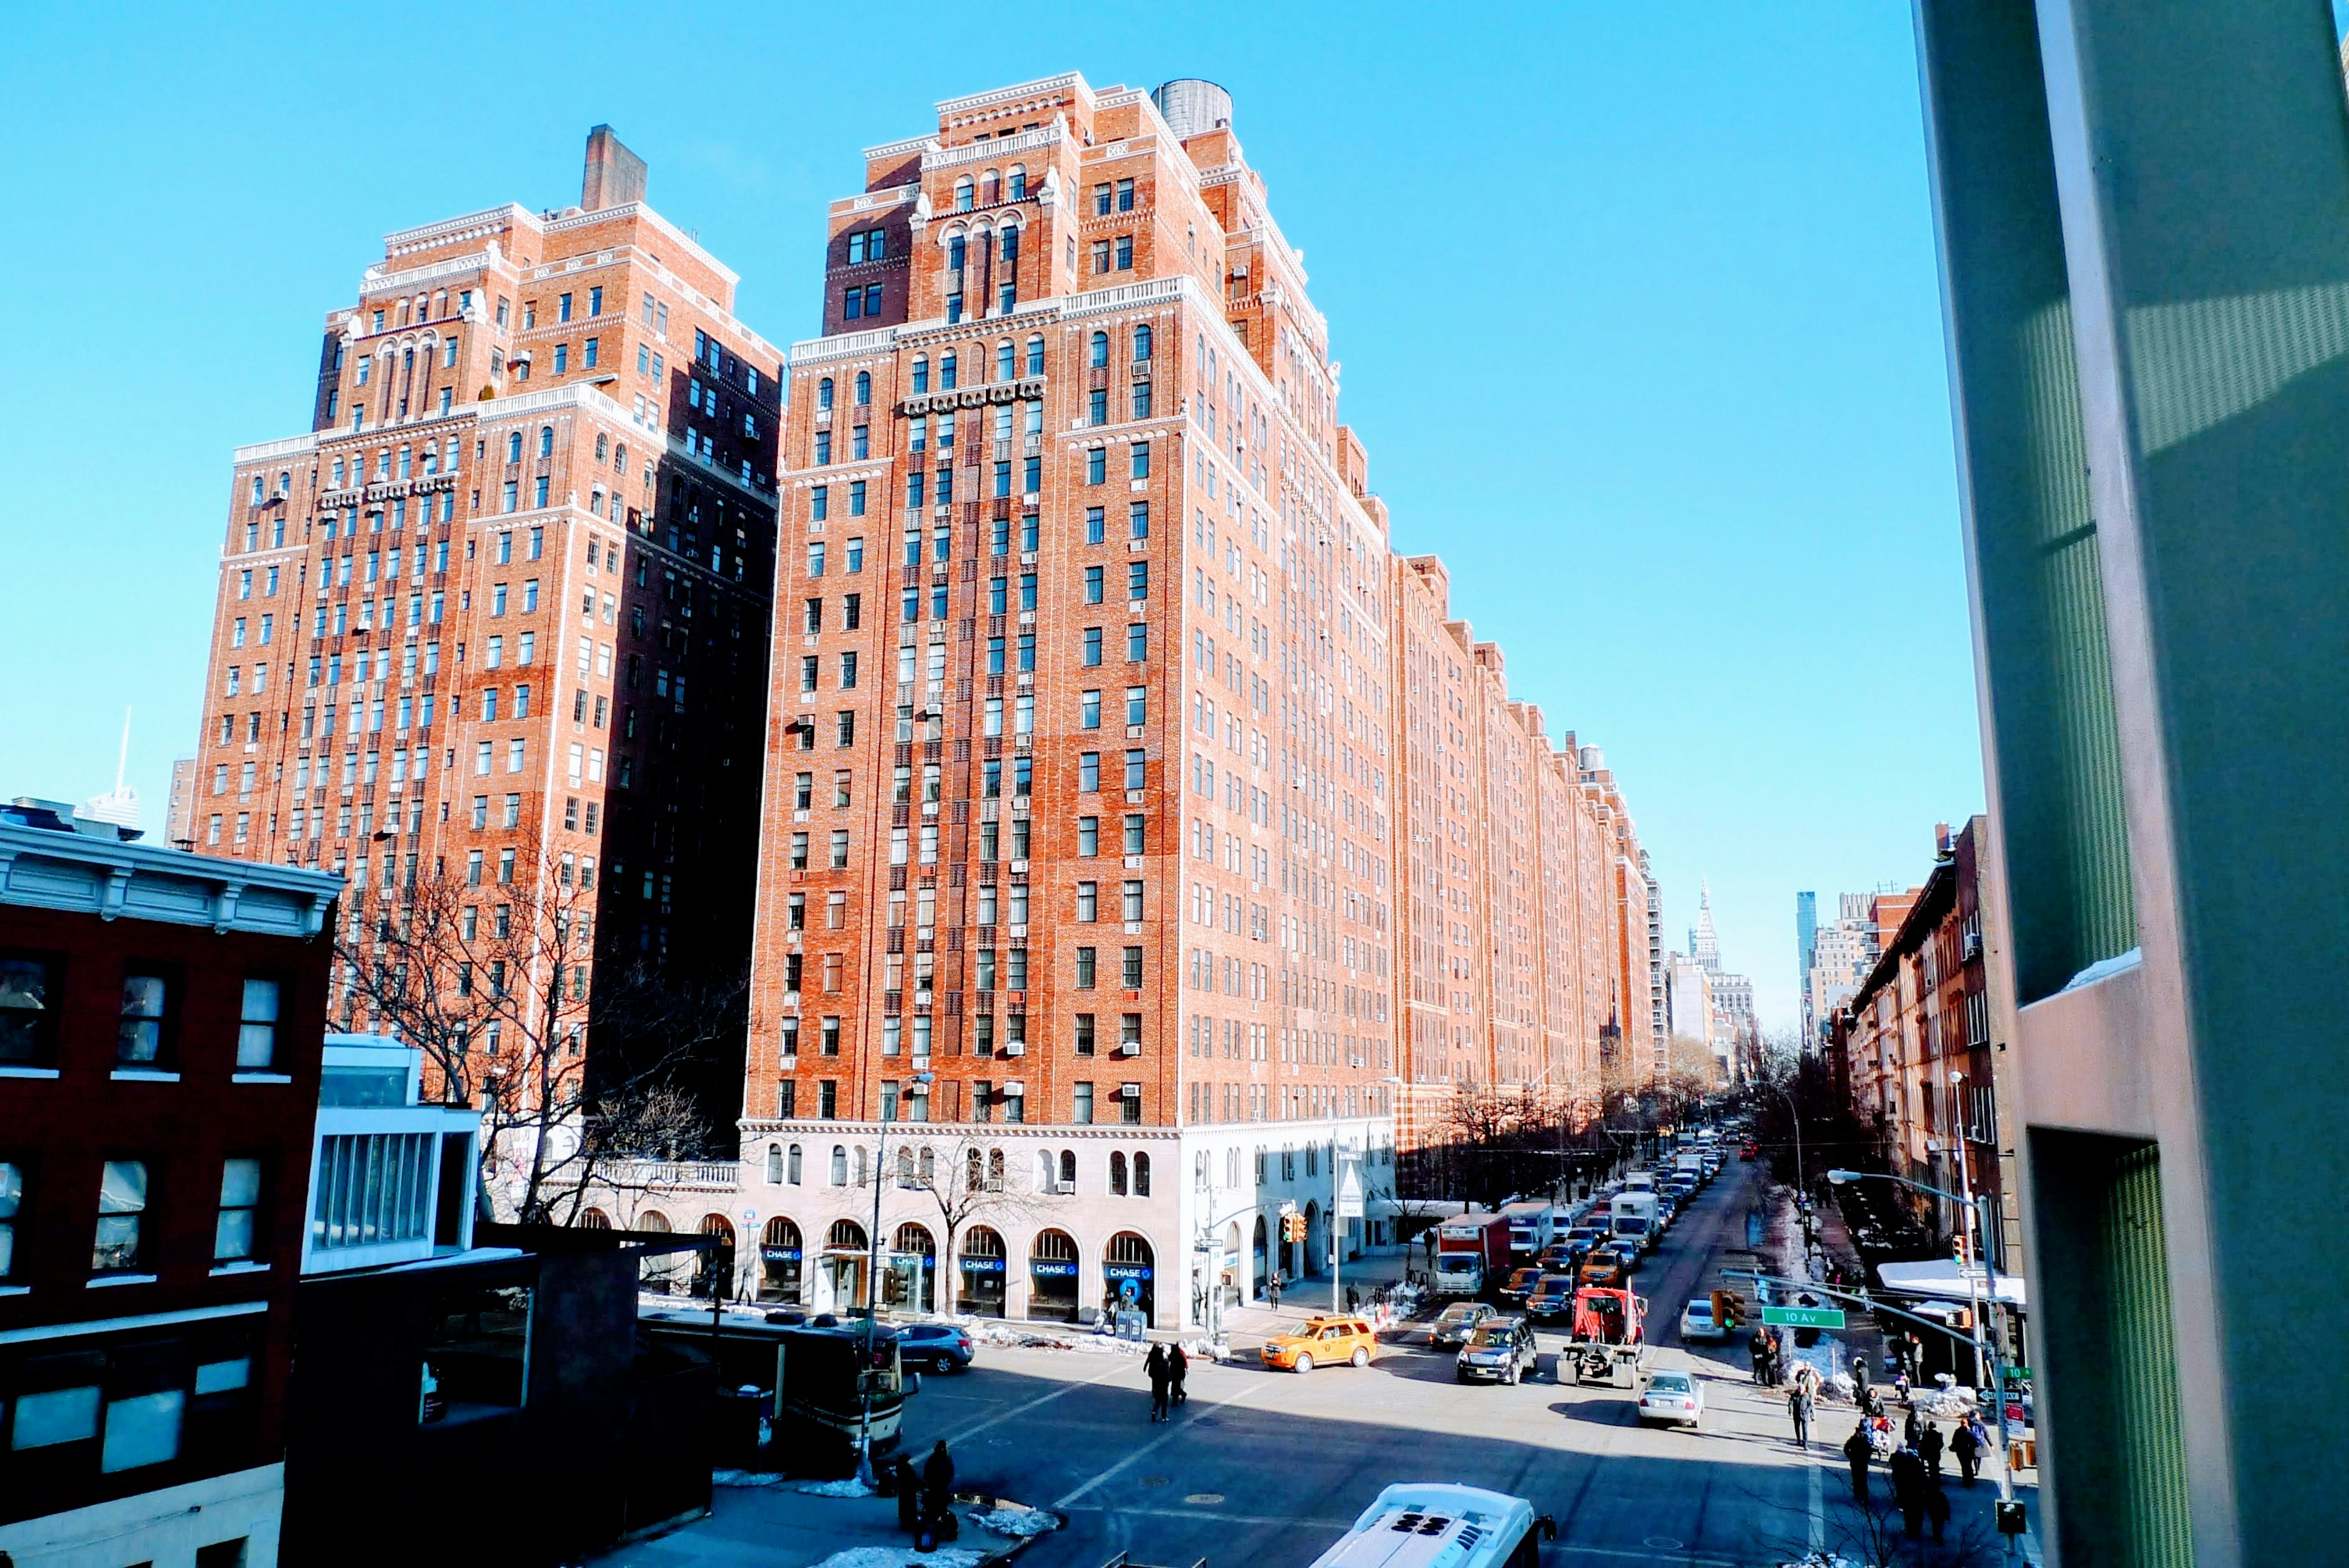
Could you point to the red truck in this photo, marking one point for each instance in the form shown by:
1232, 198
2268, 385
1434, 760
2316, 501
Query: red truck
1471, 1254
1609, 1336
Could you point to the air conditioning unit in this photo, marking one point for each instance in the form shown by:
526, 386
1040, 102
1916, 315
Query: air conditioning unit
1065, 1188
1015, 1047
1130, 1092
1129, 1047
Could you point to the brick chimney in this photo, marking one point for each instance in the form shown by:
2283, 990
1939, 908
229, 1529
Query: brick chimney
614, 176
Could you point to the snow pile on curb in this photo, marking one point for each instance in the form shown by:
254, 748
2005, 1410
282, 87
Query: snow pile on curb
744, 1477
903, 1557
850, 1487
1013, 1519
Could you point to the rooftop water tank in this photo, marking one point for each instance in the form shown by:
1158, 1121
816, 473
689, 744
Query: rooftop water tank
1190, 104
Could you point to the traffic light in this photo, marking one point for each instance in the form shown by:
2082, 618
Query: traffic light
1292, 1227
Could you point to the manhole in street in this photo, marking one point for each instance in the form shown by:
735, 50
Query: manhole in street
1203, 1498
1157, 1480
1661, 1542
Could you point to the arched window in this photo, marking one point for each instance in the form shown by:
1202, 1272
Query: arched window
845, 1236
774, 1165
929, 1168
594, 1220
513, 446
838, 1166
1069, 1167
1140, 1175
1199, 1170
654, 1220
1035, 356
620, 456
1116, 1175
905, 1166
974, 1170
962, 194
958, 252
864, 1171
864, 387
1141, 343
947, 371
995, 1170
781, 1232
1099, 356
603, 446
1043, 1170
823, 393
1015, 184
546, 441
921, 375
792, 1166
1006, 365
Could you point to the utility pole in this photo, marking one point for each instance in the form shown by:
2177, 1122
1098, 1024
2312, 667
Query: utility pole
1976, 1243
872, 1302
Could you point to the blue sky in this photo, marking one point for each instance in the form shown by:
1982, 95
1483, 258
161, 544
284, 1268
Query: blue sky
1636, 305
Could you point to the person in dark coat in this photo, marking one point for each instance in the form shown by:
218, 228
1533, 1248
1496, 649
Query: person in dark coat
1909, 1487
1272, 1290
909, 1495
937, 1482
1761, 1346
1856, 1453
1928, 1450
1798, 1406
1912, 1430
1936, 1504
1154, 1368
1178, 1367
1967, 1446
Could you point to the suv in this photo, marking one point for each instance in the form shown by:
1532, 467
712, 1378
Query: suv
1319, 1341
1501, 1351
1456, 1323
1551, 1298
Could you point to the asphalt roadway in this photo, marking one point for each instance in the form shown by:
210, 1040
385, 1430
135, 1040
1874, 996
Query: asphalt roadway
1268, 1468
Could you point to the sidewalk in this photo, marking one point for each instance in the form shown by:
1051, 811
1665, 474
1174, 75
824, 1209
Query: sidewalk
1303, 1298
761, 1521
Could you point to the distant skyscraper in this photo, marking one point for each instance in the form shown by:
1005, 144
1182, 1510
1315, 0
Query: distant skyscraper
1806, 931
179, 811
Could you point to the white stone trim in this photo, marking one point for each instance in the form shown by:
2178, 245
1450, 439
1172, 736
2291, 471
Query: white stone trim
125, 1324
1067, 82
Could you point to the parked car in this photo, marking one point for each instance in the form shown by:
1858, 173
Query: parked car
1697, 1322
939, 1347
1520, 1284
1457, 1322
1501, 1350
1672, 1399
1551, 1298
1319, 1340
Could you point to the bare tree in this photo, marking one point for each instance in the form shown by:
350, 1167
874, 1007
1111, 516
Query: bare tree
488, 973
966, 1179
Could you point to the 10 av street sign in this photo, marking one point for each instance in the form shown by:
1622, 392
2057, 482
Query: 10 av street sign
1802, 1317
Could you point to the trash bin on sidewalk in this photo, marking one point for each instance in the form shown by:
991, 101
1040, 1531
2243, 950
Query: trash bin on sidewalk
734, 1418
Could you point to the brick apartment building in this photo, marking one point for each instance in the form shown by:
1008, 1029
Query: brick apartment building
501, 613
160, 1019
1930, 1007
1084, 749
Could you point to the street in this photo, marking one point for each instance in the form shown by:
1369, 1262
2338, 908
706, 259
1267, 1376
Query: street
1267, 1467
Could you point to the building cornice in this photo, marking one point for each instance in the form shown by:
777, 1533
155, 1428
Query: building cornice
588, 220
487, 222
1067, 82
53, 869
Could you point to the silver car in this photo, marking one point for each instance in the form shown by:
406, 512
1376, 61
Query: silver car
1673, 1399
1457, 1322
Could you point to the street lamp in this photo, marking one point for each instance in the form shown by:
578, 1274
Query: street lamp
873, 1299
1973, 1295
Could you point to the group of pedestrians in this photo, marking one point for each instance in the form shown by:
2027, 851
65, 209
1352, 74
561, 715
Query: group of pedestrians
924, 1499
1769, 1359
1165, 1366
1915, 1465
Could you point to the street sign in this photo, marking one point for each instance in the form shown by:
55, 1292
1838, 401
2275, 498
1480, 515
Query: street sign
1802, 1317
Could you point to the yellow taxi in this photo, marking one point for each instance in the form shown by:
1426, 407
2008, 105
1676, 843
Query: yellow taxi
1319, 1340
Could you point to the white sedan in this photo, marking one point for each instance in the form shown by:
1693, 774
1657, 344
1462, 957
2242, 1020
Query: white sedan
1697, 1323
1673, 1399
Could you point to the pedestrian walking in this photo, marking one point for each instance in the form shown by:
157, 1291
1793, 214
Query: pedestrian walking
1857, 1450
1154, 1367
1929, 1449
1798, 1406
1178, 1367
1353, 1299
1909, 1490
1760, 1347
1912, 1429
1966, 1443
1272, 1290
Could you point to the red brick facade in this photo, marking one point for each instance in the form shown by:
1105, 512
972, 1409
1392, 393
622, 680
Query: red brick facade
513, 588
1105, 827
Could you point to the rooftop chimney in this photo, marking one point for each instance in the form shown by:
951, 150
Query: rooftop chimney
1942, 840
614, 175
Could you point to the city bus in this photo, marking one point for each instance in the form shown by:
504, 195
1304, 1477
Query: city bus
1440, 1525
819, 1377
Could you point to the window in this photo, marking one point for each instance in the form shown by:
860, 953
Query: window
1132, 972
122, 1204
1097, 351
1141, 343
1093, 584
1134, 769
1125, 195
1081, 1105
1133, 832
1137, 580
257, 1035
1137, 703
12, 1202
1137, 640
235, 1232
1088, 901
1089, 771
1125, 252
138, 1035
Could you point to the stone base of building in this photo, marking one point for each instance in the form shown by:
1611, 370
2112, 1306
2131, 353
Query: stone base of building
162, 1529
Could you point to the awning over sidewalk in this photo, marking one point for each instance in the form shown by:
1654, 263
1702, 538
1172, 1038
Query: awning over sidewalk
1942, 1277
